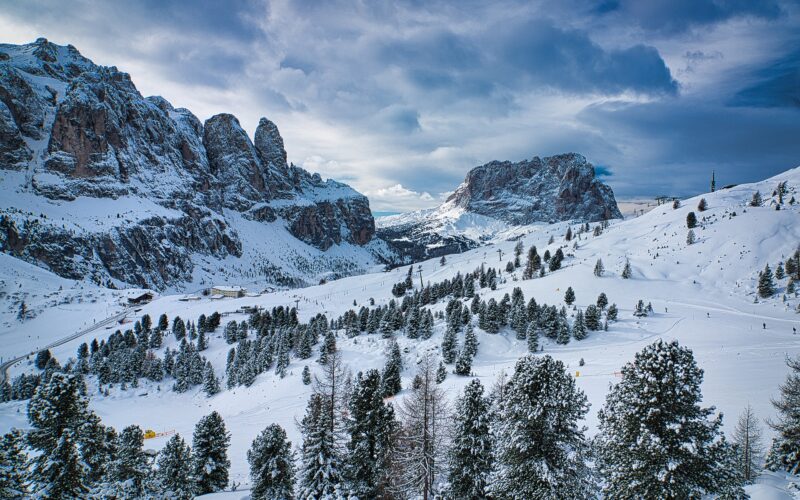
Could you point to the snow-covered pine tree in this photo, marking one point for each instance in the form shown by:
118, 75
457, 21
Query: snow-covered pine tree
655, 440
320, 474
131, 470
749, 445
533, 337
702, 206
592, 317
210, 382
599, 269
579, 326
569, 296
766, 284
13, 465
441, 373
449, 345
471, 450
390, 378
59, 405
563, 332
690, 237
210, 462
178, 328
602, 301
756, 201
306, 375
372, 430
271, 465
784, 454
62, 474
612, 312
626, 271
94, 449
174, 470
539, 447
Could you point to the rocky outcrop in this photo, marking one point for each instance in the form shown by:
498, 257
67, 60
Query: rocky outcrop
84, 131
550, 189
500, 195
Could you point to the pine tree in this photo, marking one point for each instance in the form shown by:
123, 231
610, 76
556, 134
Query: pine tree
766, 285
569, 296
463, 363
320, 469
58, 406
178, 328
470, 341
599, 269
626, 271
602, 301
441, 373
210, 381
13, 465
755, 201
749, 445
691, 220
202, 341
539, 447
61, 474
702, 205
563, 332
656, 441
471, 450
174, 469
449, 345
271, 465
131, 469
210, 462
533, 337
611, 315
579, 326
784, 453
690, 237
94, 449
372, 431
306, 376
390, 378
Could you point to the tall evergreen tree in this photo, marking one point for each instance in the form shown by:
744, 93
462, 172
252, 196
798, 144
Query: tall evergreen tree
174, 469
131, 469
579, 326
390, 378
533, 337
210, 462
539, 447
320, 469
372, 429
766, 284
210, 381
471, 451
656, 441
599, 269
271, 465
691, 220
449, 345
569, 296
784, 453
13, 465
62, 474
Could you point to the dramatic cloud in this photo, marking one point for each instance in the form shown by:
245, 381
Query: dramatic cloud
401, 98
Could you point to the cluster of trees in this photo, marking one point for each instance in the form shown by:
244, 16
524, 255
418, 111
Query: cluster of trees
767, 286
524, 439
69, 453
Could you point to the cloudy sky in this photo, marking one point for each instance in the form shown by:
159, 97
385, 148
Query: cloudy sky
400, 99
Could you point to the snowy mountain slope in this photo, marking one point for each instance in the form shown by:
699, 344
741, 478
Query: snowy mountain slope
497, 201
102, 183
702, 295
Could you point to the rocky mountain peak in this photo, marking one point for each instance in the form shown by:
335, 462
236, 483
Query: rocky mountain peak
554, 188
269, 144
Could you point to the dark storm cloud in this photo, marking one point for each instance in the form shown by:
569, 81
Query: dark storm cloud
402, 97
675, 16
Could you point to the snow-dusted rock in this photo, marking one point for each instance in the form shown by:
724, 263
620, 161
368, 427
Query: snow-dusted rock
76, 130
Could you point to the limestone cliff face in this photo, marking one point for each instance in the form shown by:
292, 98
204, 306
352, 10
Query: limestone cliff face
76, 131
497, 195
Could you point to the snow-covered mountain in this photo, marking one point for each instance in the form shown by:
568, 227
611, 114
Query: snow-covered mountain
703, 294
102, 183
500, 199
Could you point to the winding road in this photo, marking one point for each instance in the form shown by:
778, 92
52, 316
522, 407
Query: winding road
100, 324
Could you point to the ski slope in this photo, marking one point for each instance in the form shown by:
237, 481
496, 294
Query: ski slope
703, 295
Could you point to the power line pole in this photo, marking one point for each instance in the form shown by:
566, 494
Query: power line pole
297, 304
500, 254
421, 284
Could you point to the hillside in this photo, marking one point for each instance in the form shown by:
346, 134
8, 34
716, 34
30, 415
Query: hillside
102, 183
703, 295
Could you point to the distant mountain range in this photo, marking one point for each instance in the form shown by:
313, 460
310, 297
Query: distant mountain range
101, 183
